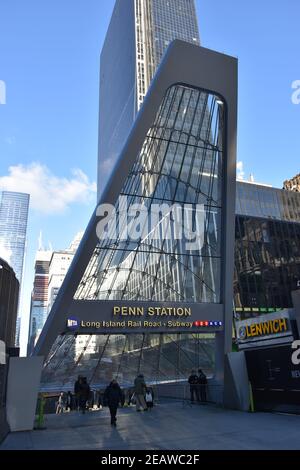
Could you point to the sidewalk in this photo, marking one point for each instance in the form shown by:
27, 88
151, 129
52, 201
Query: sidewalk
169, 426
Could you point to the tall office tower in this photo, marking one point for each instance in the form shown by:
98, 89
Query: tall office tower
293, 184
39, 297
58, 268
137, 37
13, 227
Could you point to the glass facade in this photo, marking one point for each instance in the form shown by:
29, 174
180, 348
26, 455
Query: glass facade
13, 227
267, 249
39, 298
265, 202
180, 164
138, 35
173, 20
158, 23
161, 358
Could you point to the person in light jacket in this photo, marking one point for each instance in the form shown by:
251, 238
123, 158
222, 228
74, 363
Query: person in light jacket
140, 392
60, 408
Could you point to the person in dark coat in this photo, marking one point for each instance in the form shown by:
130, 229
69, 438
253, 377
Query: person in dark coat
69, 401
113, 396
84, 393
76, 391
202, 380
194, 386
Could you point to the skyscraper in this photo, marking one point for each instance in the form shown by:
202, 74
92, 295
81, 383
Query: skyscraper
58, 268
50, 271
138, 35
39, 297
13, 227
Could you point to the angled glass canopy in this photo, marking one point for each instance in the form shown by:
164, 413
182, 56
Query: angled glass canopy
179, 166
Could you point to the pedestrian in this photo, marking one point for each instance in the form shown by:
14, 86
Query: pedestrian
76, 391
149, 398
113, 396
100, 399
202, 380
84, 393
131, 397
140, 391
194, 386
69, 401
60, 408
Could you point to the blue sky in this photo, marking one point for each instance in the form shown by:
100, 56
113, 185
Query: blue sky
49, 61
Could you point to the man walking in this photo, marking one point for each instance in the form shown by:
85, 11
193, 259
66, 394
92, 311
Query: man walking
84, 393
113, 396
140, 392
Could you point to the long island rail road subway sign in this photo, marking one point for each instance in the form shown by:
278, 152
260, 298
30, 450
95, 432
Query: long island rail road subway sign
139, 317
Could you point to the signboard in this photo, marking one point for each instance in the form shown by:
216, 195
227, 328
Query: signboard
143, 317
264, 330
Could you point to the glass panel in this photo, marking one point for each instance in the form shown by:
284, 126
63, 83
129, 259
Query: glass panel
175, 253
160, 357
267, 264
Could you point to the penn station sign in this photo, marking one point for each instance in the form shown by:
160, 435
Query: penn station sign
125, 311
142, 317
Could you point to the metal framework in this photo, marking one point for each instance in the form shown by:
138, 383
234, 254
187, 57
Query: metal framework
182, 148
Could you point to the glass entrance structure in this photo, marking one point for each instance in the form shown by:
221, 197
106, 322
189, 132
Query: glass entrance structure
162, 358
173, 251
150, 288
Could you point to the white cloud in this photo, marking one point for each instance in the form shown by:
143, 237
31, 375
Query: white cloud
49, 194
240, 170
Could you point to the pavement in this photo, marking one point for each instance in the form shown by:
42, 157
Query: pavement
169, 426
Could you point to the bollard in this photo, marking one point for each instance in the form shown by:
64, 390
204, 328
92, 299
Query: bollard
252, 410
41, 417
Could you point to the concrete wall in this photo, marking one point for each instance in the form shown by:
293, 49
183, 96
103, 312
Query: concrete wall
236, 386
23, 384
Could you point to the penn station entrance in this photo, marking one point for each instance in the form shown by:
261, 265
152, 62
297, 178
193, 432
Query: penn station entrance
165, 343
151, 287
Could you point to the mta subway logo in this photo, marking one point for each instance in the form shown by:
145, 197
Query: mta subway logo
73, 323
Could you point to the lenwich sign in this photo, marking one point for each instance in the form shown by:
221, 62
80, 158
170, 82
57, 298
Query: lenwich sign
263, 328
